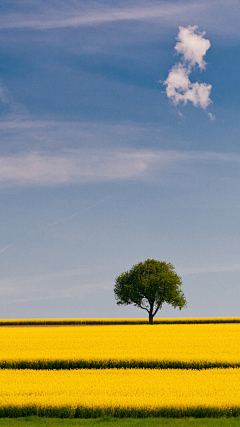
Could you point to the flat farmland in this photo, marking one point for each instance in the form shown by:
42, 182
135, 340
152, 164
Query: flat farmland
121, 392
135, 371
161, 346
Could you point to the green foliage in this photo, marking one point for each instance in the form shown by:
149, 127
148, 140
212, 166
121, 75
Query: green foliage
148, 285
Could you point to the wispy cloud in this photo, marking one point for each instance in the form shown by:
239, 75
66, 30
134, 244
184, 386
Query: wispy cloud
5, 248
48, 286
51, 135
193, 47
12, 108
5, 97
46, 294
213, 268
50, 18
79, 213
23, 282
211, 117
72, 167
41, 16
82, 166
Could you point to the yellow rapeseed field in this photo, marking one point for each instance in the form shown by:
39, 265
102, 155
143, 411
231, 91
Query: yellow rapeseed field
187, 343
211, 390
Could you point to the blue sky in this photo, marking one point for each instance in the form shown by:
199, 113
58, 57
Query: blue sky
119, 142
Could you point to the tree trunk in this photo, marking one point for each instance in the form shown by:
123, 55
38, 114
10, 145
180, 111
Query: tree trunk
151, 317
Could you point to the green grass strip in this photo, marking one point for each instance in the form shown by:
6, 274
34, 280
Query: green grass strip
110, 364
34, 421
117, 412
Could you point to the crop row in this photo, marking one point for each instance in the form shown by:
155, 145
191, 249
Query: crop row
128, 346
121, 393
170, 321
113, 364
96, 412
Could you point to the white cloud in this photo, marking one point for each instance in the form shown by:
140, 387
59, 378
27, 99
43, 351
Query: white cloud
177, 83
179, 88
81, 166
198, 94
192, 45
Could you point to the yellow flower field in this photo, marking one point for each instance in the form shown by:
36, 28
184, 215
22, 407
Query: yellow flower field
120, 392
177, 343
209, 391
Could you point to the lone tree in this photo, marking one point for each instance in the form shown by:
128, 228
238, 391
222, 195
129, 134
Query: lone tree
148, 285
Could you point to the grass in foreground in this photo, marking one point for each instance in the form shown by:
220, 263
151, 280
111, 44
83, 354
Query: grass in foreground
124, 422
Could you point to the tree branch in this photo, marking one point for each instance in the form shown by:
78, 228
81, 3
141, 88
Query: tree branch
144, 308
155, 312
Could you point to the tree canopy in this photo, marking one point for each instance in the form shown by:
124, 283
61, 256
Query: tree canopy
148, 285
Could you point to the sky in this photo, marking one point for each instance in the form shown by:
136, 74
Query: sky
119, 142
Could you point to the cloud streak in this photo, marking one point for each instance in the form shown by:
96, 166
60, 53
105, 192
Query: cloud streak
4, 94
193, 47
214, 268
14, 284
5, 248
78, 213
77, 17
83, 166
38, 287
72, 167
